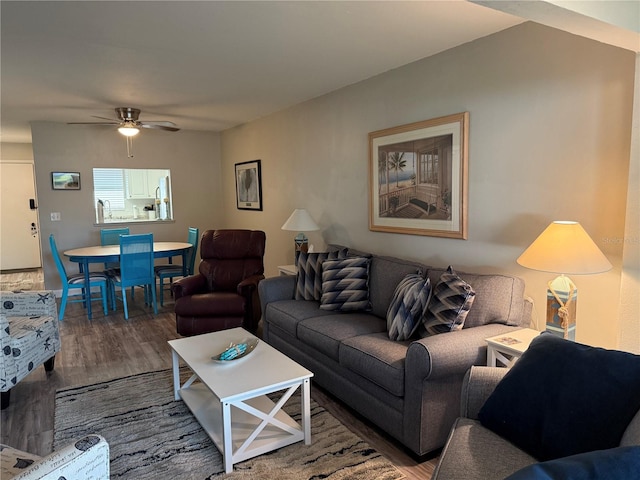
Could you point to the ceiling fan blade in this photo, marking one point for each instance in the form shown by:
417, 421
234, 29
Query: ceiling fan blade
105, 118
159, 127
93, 123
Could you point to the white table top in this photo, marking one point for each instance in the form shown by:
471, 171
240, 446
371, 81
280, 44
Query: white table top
513, 342
110, 250
263, 369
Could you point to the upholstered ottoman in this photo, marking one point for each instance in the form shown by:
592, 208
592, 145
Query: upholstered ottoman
29, 336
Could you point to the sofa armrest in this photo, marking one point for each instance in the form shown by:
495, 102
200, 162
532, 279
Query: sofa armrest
273, 289
85, 459
477, 386
189, 285
438, 356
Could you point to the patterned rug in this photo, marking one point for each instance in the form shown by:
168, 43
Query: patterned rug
151, 436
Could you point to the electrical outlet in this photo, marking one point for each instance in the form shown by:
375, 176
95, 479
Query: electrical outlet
55, 216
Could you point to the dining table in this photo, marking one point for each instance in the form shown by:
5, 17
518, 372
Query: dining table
84, 256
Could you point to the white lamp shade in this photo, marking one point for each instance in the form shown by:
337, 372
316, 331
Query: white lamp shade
565, 247
300, 221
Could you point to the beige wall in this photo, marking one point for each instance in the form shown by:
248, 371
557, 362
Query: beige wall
549, 139
630, 288
16, 151
192, 157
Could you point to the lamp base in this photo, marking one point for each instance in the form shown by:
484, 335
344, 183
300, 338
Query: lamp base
301, 245
562, 300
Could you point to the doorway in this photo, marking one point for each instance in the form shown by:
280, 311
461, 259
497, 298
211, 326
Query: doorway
19, 228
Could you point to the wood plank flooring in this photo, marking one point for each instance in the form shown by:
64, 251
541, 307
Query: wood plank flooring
110, 347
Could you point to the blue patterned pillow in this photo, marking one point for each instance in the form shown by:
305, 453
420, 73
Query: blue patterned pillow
309, 276
408, 306
345, 284
450, 303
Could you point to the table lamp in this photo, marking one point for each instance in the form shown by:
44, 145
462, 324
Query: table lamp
300, 221
565, 248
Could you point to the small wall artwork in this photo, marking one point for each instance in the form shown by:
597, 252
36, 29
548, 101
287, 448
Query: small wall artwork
65, 180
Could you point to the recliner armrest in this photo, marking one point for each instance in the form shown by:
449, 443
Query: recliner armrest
189, 285
247, 286
477, 386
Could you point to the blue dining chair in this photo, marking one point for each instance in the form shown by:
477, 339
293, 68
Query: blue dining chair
111, 236
136, 268
171, 271
76, 281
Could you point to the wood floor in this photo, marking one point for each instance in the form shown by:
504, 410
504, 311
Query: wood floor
110, 347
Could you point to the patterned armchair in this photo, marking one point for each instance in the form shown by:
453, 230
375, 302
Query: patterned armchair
29, 336
86, 459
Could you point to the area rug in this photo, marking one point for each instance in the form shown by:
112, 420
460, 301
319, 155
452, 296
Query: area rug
152, 436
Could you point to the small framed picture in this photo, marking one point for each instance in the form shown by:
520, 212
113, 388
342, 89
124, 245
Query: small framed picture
65, 180
249, 185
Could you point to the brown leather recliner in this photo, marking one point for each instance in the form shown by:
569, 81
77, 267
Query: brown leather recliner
224, 294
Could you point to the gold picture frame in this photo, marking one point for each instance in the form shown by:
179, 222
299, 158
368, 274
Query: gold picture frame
418, 178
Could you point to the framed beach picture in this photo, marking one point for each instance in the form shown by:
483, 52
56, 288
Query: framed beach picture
65, 180
249, 185
418, 179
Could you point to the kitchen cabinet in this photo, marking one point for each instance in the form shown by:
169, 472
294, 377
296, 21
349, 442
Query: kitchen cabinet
140, 184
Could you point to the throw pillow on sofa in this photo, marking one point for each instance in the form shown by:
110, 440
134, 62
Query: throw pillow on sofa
622, 463
449, 305
309, 276
563, 398
345, 284
408, 306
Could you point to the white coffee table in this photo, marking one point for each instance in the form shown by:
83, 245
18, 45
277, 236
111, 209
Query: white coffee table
507, 348
230, 401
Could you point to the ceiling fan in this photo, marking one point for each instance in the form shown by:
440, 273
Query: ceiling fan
129, 125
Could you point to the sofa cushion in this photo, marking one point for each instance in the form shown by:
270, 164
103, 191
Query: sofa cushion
408, 306
450, 303
384, 275
345, 284
325, 333
309, 276
377, 359
621, 463
563, 398
286, 314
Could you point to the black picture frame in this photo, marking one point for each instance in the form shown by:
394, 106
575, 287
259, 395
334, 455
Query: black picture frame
65, 180
249, 185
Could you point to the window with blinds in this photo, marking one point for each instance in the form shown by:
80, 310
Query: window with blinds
108, 186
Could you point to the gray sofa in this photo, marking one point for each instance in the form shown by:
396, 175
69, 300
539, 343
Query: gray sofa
474, 451
410, 389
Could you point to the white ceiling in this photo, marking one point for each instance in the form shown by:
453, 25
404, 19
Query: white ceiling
210, 65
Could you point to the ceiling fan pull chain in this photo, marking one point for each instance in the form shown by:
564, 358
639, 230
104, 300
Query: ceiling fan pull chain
129, 147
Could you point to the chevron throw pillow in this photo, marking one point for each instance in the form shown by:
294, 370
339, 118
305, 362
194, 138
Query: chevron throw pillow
408, 306
345, 284
452, 298
309, 276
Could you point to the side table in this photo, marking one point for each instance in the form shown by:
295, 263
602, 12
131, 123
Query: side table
505, 350
287, 269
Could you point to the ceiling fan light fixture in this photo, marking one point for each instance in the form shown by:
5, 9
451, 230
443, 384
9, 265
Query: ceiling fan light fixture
128, 130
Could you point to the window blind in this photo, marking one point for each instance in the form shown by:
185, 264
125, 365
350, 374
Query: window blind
108, 185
